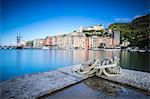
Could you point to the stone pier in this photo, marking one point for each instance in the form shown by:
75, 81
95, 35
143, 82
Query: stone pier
31, 86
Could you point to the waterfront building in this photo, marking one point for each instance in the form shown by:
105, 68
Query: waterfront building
58, 41
101, 40
54, 41
50, 41
76, 43
47, 41
125, 43
83, 41
79, 39
87, 43
64, 42
70, 40
94, 41
116, 37
108, 41
90, 41
61, 41
38, 42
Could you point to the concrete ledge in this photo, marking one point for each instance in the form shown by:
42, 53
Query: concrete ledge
31, 86
133, 78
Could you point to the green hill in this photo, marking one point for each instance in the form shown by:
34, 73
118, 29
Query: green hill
136, 32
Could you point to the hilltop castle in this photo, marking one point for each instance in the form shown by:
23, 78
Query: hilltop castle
95, 27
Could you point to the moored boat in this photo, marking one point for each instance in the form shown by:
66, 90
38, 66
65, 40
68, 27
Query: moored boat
44, 47
142, 50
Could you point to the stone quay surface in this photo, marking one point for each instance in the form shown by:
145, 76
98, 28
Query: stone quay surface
132, 78
31, 86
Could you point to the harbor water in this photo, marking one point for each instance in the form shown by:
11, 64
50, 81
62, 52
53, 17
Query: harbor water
15, 63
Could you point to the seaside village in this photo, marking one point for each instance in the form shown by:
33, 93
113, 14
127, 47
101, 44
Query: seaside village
93, 37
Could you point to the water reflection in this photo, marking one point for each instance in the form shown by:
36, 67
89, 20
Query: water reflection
111, 89
135, 61
97, 88
85, 55
102, 85
19, 62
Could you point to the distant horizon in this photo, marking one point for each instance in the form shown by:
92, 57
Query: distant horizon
38, 19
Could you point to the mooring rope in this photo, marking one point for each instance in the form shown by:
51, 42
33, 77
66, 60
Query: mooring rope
107, 66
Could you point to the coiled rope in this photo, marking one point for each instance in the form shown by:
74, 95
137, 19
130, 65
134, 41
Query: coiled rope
107, 66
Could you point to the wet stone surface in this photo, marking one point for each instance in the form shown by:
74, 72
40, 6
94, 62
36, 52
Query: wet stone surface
97, 88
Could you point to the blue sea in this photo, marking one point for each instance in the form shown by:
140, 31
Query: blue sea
26, 61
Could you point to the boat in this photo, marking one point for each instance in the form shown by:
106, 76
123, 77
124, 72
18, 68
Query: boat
114, 49
97, 49
142, 51
19, 47
133, 50
136, 49
45, 48
10, 48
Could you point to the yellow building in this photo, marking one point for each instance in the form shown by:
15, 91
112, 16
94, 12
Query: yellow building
38, 42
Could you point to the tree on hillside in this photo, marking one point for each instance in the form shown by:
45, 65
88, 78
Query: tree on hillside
29, 43
136, 32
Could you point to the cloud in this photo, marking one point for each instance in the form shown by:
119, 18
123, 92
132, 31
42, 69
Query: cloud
125, 20
122, 19
137, 16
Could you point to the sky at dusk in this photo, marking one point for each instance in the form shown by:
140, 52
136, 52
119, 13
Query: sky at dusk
40, 18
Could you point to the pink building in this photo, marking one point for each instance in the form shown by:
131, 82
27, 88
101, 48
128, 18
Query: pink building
50, 41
